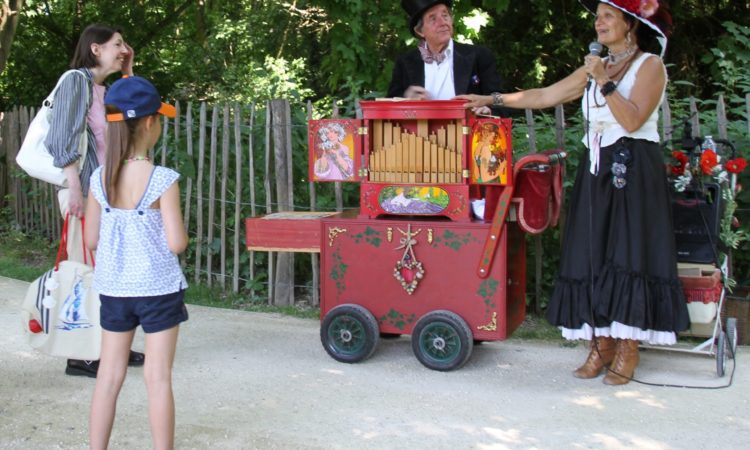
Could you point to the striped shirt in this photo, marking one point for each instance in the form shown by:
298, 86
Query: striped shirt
68, 121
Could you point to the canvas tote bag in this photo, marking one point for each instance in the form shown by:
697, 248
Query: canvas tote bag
34, 157
60, 313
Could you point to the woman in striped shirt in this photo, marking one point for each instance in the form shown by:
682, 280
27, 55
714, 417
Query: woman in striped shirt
79, 108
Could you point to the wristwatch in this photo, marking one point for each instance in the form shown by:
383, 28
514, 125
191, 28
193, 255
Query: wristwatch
608, 88
497, 99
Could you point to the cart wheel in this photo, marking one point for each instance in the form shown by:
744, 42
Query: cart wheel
721, 354
731, 330
349, 333
442, 340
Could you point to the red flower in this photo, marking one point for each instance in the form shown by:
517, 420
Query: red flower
708, 161
681, 160
736, 165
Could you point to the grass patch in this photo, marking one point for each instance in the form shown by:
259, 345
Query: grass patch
536, 328
216, 298
23, 257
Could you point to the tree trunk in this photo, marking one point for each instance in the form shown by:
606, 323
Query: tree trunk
9, 15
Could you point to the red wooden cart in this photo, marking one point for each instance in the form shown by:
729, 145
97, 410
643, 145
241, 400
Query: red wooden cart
414, 259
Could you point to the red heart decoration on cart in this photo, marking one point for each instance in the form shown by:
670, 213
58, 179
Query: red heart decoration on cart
408, 274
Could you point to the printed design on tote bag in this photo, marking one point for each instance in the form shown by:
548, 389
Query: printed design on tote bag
73, 312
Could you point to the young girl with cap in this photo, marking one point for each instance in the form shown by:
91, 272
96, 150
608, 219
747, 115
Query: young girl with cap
134, 223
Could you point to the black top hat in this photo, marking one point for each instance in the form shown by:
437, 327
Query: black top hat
415, 9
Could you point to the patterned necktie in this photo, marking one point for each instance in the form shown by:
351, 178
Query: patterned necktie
428, 56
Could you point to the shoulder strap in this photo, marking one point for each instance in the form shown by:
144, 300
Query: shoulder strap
161, 179
51, 97
96, 187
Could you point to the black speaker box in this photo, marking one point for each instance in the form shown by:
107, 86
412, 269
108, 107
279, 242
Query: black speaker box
697, 219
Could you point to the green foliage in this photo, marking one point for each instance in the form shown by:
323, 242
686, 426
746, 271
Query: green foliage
24, 257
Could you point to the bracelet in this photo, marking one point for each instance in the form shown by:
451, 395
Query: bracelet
497, 99
608, 88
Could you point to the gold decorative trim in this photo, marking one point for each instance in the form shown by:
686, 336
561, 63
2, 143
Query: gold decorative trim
492, 326
333, 233
429, 235
362, 131
466, 131
389, 233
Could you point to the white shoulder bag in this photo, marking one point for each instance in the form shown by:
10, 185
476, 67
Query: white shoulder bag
33, 157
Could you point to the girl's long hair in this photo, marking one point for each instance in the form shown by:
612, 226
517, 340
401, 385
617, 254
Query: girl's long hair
120, 137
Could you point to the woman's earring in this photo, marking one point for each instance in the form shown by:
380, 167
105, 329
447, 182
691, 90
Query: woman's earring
628, 40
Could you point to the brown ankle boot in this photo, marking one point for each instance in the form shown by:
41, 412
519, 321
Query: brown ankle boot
625, 362
597, 359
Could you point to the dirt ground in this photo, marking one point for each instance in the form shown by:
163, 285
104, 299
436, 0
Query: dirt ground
261, 381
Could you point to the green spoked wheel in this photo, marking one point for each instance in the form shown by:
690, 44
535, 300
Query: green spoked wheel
442, 340
349, 333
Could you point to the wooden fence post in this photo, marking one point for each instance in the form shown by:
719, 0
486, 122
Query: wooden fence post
695, 119
199, 192
211, 195
189, 180
721, 118
238, 225
251, 180
269, 201
667, 129
314, 257
281, 119
223, 196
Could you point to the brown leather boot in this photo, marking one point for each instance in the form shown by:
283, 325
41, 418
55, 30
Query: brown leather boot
625, 362
597, 359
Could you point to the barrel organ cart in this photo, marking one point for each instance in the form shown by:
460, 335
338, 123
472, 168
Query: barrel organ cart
419, 256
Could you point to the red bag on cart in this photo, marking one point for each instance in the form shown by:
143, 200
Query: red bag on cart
538, 190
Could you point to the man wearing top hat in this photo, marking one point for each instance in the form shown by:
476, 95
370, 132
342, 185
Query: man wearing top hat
439, 68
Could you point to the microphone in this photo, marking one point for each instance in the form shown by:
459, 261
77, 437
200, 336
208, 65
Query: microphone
595, 49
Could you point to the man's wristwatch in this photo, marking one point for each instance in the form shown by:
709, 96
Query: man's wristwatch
497, 99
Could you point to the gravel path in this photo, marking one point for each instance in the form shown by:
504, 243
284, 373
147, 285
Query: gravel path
262, 381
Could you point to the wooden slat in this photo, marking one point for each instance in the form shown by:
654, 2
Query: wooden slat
314, 259
199, 192
667, 129
721, 119
237, 197
223, 196
269, 193
251, 182
188, 180
695, 119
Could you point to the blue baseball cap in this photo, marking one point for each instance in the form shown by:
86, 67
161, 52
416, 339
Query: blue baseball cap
135, 97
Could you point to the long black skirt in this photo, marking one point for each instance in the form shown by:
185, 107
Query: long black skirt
618, 261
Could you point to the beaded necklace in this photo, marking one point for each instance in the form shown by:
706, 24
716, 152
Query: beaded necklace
136, 158
617, 58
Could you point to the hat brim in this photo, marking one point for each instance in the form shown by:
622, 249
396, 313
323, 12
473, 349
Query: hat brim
660, 36
165, 110
414, 19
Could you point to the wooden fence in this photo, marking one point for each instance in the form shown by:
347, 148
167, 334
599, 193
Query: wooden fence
221, 150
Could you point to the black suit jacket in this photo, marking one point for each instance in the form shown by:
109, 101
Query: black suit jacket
474, 71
